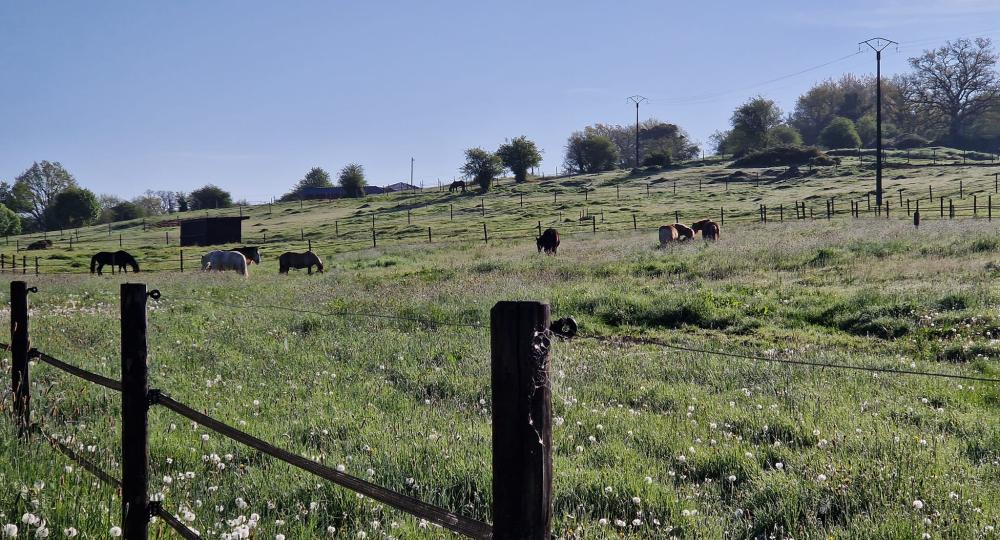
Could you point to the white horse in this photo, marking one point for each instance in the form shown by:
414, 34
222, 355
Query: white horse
225, 260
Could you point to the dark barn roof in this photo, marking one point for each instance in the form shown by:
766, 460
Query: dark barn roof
209, 231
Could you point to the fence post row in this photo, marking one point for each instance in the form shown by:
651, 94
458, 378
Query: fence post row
522, 427
135, 406
19, 345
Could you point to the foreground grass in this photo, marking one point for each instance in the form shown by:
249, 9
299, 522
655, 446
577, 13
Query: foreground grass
648, 442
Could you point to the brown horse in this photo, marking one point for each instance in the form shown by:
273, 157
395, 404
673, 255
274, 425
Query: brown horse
684, 232
709, 229
299, 260
548, 242
457, 184
668, 233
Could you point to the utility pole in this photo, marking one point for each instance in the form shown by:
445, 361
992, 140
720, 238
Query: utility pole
637, 99
411, 171
878, 45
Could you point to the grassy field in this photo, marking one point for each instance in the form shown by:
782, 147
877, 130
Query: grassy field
649, 442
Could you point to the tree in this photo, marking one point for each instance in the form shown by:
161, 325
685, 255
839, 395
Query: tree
10, 222
850, 96
352, 179
954, 85
590, 153
36, 188
14, 197
72, 207
150, 204
840, 133
482, 167
657, 137
210, 196
784, 135
519, 155
182, 201
751, 123
315, 178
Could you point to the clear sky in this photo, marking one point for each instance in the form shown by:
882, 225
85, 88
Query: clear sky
249, 95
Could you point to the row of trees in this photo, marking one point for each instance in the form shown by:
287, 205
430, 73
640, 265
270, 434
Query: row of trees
46, 197
602, 147
950, 97
518, 156
351, 178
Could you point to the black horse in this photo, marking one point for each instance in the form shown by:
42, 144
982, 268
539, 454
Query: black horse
252, 253
121, 259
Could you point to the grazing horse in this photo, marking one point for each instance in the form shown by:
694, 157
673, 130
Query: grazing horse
299, 260
709, 229
120, 259
457, 184
225, 260
684, 232
251, 253
668, 233
548, 242
39, 244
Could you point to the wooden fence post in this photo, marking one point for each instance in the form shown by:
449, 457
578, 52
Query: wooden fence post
24, 264
182, 261
635, 225
942, 206
975, 206
989, 207
451, 209
522, 421
722, 216
430, 239
135, 423
36, 266
482, 206
373, 237
781, 212
19, 346
486, 238
677, 216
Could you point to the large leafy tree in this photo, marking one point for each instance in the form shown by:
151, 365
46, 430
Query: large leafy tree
590, 153
954, 85
754, 119
210, 196
316, 177
519, 155
482, 166
352, 179
36, 188
72, 207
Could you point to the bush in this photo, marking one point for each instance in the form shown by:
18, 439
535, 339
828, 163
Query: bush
840, 133
910, 140
785, 156
657, 158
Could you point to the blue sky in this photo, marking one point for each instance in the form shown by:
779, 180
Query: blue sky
249, 95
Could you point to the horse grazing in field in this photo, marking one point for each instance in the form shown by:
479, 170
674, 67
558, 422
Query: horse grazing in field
225, 260
251, 253
457, 184
709, 229
548, 242
120, 259
668, 233
684, 232
298, 261
39, 244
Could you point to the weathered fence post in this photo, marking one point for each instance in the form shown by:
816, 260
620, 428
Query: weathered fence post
135, 423
677, 216
19, 345
722, 215
373, 237
942, 206
522, 421
618, 194
486, 238
430, 239
24, 264
989, 207
951, 209
182, 261
635, 225
539, 228
975, 206
781, 212
310, 244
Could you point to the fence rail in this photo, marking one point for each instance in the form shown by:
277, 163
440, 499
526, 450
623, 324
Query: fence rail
521, 423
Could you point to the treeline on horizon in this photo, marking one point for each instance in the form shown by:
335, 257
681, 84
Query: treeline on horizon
949, 97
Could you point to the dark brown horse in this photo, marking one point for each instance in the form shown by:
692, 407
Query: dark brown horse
457, 184
709, 229
120, 259
299, 260
548, 242
39, 244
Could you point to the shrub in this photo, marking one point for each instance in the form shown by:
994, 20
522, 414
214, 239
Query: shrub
657, 158
910, 140
785, 156
840, 133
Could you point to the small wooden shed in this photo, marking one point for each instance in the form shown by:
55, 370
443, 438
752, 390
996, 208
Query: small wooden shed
211, 231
